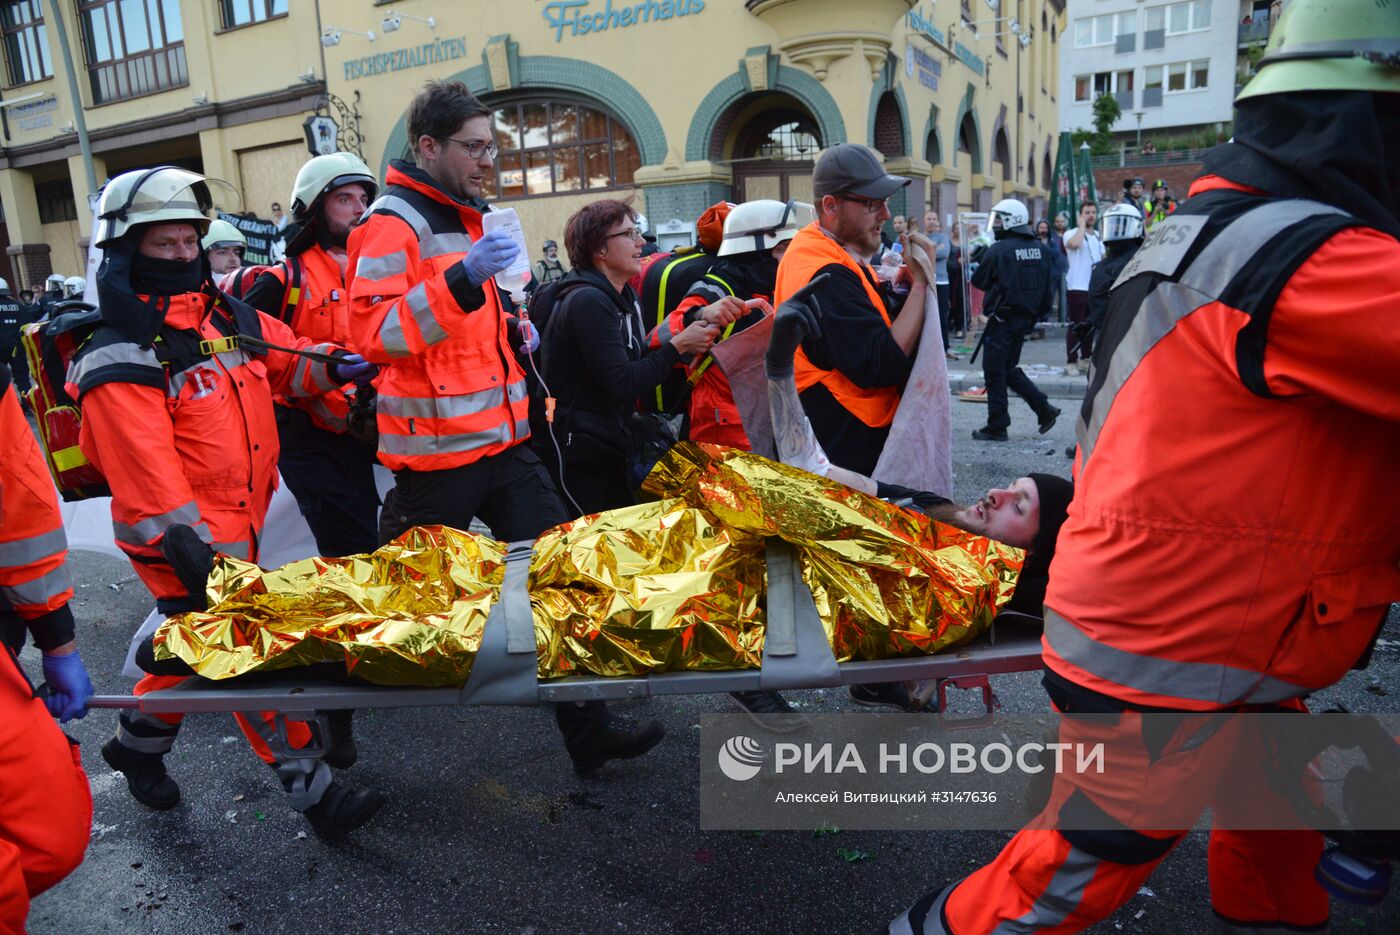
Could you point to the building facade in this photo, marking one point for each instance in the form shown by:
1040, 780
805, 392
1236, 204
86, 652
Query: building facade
1170, 65
674, 103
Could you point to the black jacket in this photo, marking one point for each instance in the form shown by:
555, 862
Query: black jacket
1016, 273
1101, 280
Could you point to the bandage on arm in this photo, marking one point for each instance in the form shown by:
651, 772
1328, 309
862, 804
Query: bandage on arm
796, 442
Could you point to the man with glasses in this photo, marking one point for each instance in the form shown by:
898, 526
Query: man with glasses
453, 411
851, 375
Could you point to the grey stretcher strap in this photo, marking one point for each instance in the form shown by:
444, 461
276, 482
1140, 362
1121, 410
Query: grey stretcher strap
796, 653
506, 668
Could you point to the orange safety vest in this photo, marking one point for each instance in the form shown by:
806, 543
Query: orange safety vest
319, 309
809, 251
451, 391
1231, 539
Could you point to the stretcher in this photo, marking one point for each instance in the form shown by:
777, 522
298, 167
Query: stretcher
796, 656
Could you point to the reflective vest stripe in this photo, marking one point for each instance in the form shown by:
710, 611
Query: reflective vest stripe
229, 360
1207, 277
31, 549
1206, 682
233, 549
452, 444
123, 352
435, 245
448, 407
151, 528
38, 592
382, 267
1063, 894
394, 204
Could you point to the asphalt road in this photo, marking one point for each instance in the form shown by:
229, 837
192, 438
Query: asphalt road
488, 830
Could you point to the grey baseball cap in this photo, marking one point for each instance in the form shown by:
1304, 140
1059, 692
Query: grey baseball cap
852, 169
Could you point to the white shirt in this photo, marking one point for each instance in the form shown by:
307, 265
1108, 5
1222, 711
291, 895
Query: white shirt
1082, 260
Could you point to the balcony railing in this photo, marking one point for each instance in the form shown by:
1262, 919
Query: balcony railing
1256, 31
1126, 159
137, 75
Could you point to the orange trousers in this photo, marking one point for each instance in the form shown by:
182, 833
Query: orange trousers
45, 804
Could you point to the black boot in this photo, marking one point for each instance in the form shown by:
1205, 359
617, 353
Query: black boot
593, 736
342, 810
145, 775
341, 752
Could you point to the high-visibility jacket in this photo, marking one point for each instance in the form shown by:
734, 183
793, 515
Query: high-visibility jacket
1232, 537
451, 392
809, 251
714, 417
193, 443
317, 307
34, 580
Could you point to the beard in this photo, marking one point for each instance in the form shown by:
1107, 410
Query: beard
859, 237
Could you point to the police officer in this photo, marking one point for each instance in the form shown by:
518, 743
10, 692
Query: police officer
13, 316
52, 295
1016, 273
1121, 229
548, 268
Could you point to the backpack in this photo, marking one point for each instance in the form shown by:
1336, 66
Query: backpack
51, 346
238, 285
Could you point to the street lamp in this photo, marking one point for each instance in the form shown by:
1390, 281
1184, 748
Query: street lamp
1139, 115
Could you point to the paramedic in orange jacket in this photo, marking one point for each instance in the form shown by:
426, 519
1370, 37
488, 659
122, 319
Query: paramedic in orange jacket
1233, 544
45, 805
453, 412
330, 471
735, 294
177, 415
850, 377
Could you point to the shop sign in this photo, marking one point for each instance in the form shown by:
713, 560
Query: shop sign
926, 66
969, 58
580, 19
922, 25
34, 115
429, 53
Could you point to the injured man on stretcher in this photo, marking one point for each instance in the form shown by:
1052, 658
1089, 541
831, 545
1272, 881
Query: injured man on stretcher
670, 585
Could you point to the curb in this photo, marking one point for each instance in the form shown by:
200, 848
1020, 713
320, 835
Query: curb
1056, 386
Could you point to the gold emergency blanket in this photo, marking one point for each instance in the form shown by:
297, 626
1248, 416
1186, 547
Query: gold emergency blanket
670, 585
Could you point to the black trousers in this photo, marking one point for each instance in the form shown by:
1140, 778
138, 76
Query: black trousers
512, 494
1001, 358
332, 477
945, 312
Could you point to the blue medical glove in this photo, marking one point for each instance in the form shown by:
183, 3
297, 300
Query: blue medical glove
489, 255
69, 686
354, 367
528, 336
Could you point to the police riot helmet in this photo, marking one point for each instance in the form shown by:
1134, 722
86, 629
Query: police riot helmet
1013, 216
763, 224
74, 287
4, 284
162, 195
1330, 45
1121, 222
54, 283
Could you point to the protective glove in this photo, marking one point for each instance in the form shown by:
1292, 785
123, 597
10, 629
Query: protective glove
68, 684
798, 318
489, 255
527, 335
354, 367
191, 558
979, 250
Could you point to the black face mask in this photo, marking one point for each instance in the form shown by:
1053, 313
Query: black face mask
153, 276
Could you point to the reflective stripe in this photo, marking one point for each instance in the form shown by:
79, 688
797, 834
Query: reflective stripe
321, 376
156, 736
233, 549
1205, 279
925, 917
111, 355
31, 549
395, 444
66, 459
382, 267
448, 407
391, 335
38, 591
404, 210
435, 245
229, 360
417, 299
147, 529
329, 418
1207, 682
306, 779
1062, 895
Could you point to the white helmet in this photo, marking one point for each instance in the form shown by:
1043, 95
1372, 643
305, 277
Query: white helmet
223, 234
161, 195
763, 224
1013, 214
1122, 222
74, 286
326, 173
54, 283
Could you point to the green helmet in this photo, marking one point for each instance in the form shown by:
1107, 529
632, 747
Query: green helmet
162, 195
1331, 45
223, 234
326, 173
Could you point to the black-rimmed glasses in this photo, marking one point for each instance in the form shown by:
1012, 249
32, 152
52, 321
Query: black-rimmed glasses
475, 149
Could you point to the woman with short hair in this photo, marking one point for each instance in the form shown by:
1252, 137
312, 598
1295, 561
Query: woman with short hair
595, 360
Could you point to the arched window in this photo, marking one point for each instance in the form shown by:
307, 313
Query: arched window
1046, 165
780, 134
1001, 152
556, 147
1030, 167
967, 142
889, 127
932, 151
